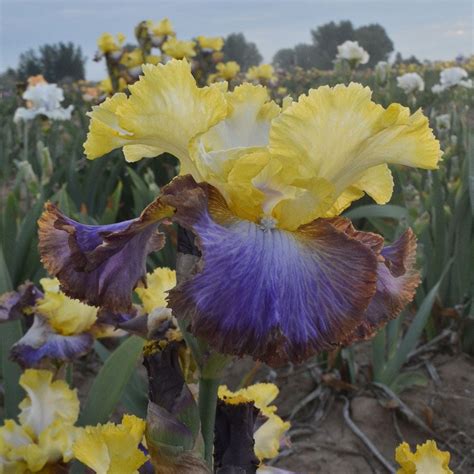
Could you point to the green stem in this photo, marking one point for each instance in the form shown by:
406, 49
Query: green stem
207, 411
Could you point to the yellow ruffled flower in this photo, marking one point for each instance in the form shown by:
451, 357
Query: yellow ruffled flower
263, 72
227, 70
147, 123
108, 43
211, 43
179, 49
427, 459
110, 448
268, 435
106, 85
46, 433
66, 315
162, 28
160, 281
132, 58
46, 401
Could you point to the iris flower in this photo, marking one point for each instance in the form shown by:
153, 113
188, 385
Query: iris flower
179, 49
108, 43
269, 428
46, 431
111, 448
264, 72
62, 330
227, 71
281, 275
210, 44
427, 459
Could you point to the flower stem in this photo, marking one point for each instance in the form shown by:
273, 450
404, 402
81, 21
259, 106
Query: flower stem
207, 411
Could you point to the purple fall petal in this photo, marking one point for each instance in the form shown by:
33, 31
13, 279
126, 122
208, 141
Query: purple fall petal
100, 265
40, 342
276, 295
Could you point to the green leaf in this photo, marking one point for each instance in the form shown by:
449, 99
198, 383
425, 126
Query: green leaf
109, 384
373, 210
408, 379
110, 214
26, 235
10, 332
5, 280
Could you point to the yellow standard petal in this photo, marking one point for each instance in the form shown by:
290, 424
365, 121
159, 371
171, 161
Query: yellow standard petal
427, 459
163, 28
179, 49
66, 315
159, 282
245, 129
228, 70
110, 448
263, 72
213, 43
340, 136
164, 112
46, 401
108, 43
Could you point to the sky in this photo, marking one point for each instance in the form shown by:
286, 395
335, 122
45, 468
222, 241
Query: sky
428, 29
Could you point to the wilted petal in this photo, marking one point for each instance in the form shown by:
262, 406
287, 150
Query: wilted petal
40, 343
100, 265
273, 294
397, 280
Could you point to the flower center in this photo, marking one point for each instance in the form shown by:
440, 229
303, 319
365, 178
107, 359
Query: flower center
268, 223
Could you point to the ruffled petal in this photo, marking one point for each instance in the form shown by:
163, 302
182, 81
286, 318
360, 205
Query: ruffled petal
100, 265
427, 459
110, 448
41, 343
273, 294
397, 280
339, 134
159, 282
247, 125
46, 401
164, 112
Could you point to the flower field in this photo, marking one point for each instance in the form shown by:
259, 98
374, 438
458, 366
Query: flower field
208, 266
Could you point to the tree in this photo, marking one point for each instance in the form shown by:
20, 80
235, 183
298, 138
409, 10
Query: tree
374, 39
237, 48
55, 62
28, 65
326, 39
307, 55
284, 58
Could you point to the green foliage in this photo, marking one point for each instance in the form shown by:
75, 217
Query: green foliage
237, 48
55, 62
109, 384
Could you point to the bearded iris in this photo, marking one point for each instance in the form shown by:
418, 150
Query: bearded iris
281, 274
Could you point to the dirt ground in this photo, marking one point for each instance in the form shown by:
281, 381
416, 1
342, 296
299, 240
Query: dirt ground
321, 441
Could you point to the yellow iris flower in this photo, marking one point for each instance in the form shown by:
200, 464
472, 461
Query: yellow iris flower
427, 459
66, 315
212, 43
227, 70
268, 435
287, 167
158, 283
46, 433
162, 28
109, 43
179, 49
110, 448
263, 72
